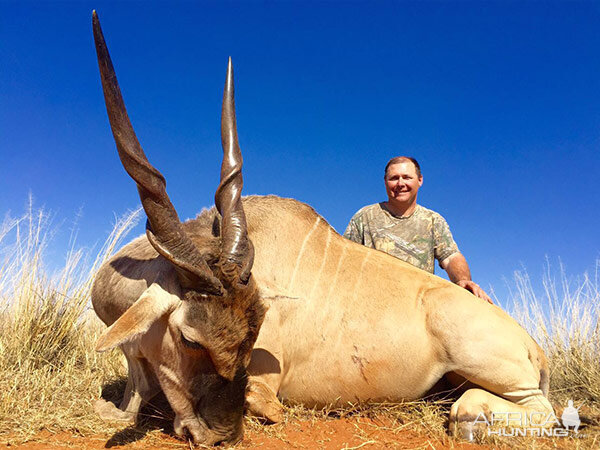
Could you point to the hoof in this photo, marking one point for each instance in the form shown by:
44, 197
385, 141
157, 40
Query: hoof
110, 413
464, 430
261, 402
274, 414
469, 431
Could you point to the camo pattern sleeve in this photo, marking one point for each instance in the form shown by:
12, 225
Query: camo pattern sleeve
445, 245
419, 239
355, 229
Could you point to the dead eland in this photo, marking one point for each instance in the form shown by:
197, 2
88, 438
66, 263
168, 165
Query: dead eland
260, 300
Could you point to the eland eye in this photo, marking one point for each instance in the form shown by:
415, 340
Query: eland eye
191, 344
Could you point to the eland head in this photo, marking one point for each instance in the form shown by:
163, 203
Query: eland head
197, 328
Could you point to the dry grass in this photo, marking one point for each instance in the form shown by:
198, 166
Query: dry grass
564, 321
50, 375
49, 372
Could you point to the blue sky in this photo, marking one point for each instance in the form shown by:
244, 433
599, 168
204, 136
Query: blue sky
498, 101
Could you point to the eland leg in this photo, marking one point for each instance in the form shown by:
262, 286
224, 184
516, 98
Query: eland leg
264, 380
488, 348
261, 401
265, 372
478, 409
514, 384
141, 386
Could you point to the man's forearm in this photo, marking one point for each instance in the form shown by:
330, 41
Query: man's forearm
458, 271
457, 268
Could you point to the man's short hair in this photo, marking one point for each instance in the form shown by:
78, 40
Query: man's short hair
399, 159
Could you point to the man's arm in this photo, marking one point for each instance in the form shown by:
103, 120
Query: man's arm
458, 271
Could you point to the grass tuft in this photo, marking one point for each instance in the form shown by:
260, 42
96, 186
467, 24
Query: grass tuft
49, 372
564, 320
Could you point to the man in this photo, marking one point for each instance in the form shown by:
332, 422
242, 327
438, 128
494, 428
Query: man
408, 231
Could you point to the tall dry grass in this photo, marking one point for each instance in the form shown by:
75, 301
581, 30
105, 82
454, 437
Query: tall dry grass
49, 372
564, 320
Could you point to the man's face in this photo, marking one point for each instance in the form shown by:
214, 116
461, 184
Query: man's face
402, 183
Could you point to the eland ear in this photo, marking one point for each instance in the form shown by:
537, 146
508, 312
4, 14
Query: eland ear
153, 304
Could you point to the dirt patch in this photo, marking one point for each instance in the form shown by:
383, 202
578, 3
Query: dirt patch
398, 426
342, 433
347, 433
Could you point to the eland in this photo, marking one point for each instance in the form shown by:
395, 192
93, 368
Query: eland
260, 300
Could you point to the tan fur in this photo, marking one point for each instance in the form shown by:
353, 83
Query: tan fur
348, 323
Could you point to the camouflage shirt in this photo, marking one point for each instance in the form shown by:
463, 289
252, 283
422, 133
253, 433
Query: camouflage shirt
416, 239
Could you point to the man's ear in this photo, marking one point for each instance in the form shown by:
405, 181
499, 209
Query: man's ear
421, 181
151, 306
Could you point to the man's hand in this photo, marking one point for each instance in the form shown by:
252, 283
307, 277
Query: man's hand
458, 271
474, 288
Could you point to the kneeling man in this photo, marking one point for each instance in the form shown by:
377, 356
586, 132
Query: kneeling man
409, 231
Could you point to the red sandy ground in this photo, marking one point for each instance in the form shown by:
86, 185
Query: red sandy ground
350, 432
344, 433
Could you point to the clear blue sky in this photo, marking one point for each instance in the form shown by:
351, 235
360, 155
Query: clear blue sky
500, 102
